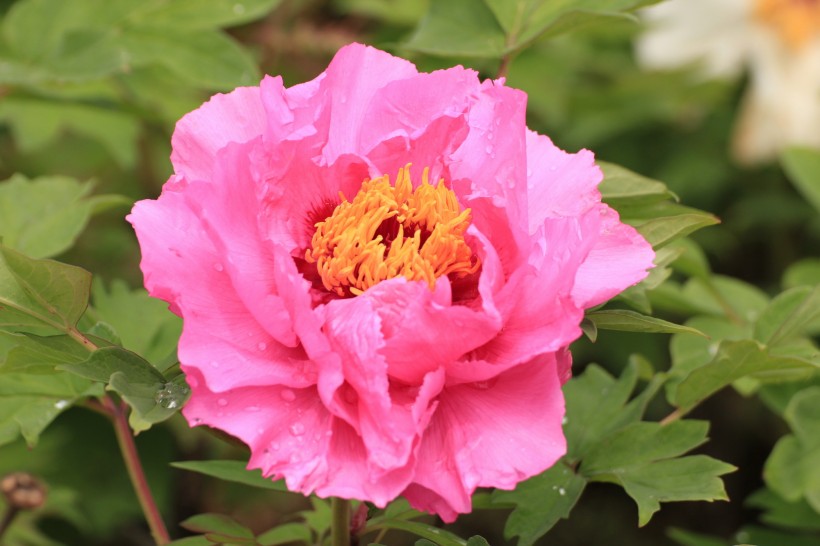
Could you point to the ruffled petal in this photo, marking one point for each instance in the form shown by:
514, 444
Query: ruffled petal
490, 434
236, 117
619, 259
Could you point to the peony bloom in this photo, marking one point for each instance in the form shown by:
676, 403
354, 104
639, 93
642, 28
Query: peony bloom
777, 40
379, 272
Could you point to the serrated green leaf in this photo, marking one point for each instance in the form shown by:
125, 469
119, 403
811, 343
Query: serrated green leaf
232, 471
540, 502
685, 479
789, 314
630, 321
779, 512
197, 15
103, 363
144, 324
288, 532
40, 293
792, 470
459, 27
641, 443
598, 404
622, 186
43, 217
40, 354
803, 167
217, 524
320, 517
735, 359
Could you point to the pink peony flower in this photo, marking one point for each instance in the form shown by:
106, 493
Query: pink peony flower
380, 272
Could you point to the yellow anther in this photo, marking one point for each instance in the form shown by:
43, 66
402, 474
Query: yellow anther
390, 231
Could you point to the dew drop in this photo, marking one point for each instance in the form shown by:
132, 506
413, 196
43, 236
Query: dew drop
489, 136
218, 266
275, 446
297, 429
252, 408
238, 9
562, 491
222, 402
171, 395
61, 404
529, 172
214, 364
553, 168
287, 395
489, 149
564, 420
262, 346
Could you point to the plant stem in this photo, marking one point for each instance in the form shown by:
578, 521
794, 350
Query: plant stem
8, 517
340, 522
132, 462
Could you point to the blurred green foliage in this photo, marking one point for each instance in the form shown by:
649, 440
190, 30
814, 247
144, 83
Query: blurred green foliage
89, 94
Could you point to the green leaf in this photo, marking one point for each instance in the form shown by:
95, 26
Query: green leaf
493, 28
779, 512
789, 314
688, 538
143, 324
630, 321
641, 458
320, 517
41, 354
760, 536
477, 541
288, 532
802, 165
232, 471
40, 293
726, 296
197, 15
624, 187
30, 402
37, 122
152, 398
191, 541
540, 502
43, 217
665, 229
598, 404
204, 58
218, 524
459, 27
806, 272
792, 470
435, 535
735, 359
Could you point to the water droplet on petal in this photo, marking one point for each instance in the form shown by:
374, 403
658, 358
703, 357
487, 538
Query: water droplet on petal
262, 346
489, 149
287, 395
222, 402
252, 408
214, 364
275, 446
218, 266
297, 429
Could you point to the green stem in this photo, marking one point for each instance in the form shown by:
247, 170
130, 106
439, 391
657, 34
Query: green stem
340, 524
132, 462
8, 517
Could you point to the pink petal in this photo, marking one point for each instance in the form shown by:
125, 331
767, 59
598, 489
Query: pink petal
559, 184
199, 135
620, 258
492, 434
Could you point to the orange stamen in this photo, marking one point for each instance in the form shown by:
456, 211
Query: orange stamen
796, 21
390, 231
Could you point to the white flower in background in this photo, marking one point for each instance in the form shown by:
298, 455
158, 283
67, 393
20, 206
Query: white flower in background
778, 41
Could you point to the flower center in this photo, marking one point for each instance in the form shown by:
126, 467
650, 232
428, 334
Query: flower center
390, 231
796, 21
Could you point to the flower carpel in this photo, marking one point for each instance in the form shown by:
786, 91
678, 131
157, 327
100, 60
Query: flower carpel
388, 231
